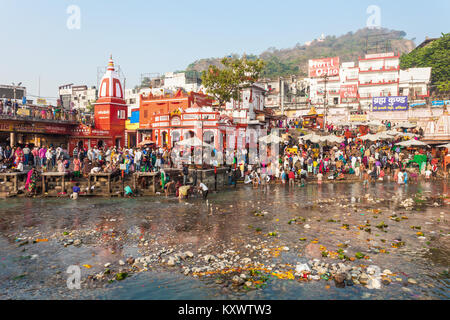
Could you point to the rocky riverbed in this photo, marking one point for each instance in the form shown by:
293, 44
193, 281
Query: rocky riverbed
329, 241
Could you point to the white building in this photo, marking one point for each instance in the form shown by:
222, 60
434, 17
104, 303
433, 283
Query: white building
77, 97
414, 83
175, 81
317, 90
245, 112
378, 76
349, 74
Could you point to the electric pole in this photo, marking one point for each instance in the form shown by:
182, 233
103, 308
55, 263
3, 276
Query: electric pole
325, 77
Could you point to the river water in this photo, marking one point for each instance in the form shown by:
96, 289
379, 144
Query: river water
226, 221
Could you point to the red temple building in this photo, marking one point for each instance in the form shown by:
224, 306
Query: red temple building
110, 114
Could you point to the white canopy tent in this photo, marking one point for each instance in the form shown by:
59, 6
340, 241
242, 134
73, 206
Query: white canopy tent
412, 143
370, 137
445, 146
407, 125
193, 142
271, 138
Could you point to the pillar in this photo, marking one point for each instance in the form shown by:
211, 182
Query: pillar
12, 139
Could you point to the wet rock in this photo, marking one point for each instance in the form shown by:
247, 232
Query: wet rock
246, 260
363, 278
237, 280
121, 262
387, 272
107, 265
374, 283
312, 250
171, 261
130, 260
340, 278
412, 281
373, 270
77, 242
209, 258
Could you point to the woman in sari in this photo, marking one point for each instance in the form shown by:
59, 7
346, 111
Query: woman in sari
18, 156
30, 185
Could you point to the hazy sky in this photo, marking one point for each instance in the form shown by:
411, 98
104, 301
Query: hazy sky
161, 36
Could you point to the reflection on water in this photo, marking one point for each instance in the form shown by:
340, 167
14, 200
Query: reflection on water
221, 222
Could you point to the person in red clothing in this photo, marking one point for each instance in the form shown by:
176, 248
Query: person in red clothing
291, 178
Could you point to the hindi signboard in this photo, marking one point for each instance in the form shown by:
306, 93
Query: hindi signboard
321, 67
390, 103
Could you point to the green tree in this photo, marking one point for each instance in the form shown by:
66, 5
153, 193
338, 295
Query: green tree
435, 55
224, 84
90, 107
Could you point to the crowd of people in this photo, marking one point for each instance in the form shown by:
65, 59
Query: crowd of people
9, 108
354, 158
298, 160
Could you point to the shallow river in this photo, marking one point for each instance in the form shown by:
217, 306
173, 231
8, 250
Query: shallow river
227, 220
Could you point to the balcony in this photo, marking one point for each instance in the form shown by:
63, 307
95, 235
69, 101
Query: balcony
370, 96
384, 82
383, 69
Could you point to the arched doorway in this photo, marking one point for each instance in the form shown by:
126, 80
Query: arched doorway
175, 137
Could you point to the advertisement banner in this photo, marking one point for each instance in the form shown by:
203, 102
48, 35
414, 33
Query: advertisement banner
321, 67
390, 103
349, 91
358, 117
440, 102
41, 101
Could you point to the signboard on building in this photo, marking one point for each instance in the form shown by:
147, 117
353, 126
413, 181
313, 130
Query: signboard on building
41, 101
390, 103
440, 102
349, 91
358, 117
380, 55
321, 67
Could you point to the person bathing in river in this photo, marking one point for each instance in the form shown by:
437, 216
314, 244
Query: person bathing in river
75, 191
204, 189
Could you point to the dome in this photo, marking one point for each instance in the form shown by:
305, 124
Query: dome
110, 86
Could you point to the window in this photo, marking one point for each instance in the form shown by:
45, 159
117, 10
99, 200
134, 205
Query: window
120, 114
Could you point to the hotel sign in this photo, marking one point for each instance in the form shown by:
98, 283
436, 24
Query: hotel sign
321, 67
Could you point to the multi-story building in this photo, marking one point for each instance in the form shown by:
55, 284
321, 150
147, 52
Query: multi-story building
77, 97
189, 81
378, 76
414, 83
349, 74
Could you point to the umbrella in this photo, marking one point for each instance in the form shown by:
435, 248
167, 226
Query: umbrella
144, 142
412, 143
271, 138
332, 139
445, 146
392, 132
407, 134
375, 123
371, 137
383, 136
193, 142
